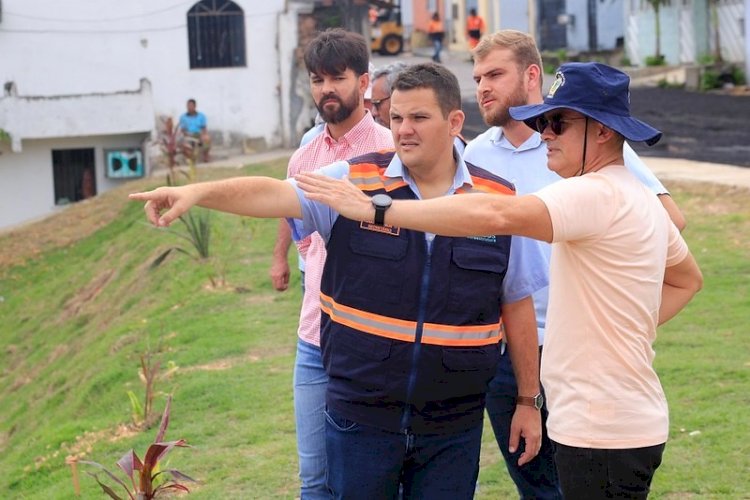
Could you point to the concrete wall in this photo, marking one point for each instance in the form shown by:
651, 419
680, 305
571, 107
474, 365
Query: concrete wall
610, 25
80, 47
27, 190
687, 33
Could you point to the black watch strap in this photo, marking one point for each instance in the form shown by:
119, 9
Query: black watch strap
380, 215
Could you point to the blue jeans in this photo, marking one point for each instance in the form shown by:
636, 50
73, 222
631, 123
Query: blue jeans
600, 473
538, 478
310, 381
437, 47
369, 463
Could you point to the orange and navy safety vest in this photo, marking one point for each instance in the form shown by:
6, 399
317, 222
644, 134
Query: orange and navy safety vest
409, 334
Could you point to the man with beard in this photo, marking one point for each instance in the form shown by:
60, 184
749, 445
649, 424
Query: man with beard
337, 62
410, 321
507, 70
619, 268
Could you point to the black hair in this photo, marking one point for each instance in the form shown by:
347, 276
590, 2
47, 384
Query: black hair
432, 76
335, 50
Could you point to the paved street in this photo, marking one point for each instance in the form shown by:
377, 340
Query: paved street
710, 146
701, 126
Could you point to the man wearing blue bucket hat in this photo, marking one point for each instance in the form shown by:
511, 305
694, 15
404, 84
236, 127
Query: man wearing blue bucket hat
619, 268
508, 72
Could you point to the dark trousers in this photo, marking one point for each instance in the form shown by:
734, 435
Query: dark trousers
597, 473
365, 463
538, 478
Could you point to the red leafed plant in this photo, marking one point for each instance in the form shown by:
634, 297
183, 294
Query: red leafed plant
146, 477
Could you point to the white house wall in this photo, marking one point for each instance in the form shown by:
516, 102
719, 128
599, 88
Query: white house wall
31, 194
33, 117
79, 46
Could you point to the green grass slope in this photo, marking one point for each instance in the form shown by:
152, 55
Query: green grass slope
77, 312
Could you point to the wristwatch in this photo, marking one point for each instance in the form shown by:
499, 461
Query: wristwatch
381, 202
535, 401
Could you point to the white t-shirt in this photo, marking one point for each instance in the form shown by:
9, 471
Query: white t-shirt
612, 240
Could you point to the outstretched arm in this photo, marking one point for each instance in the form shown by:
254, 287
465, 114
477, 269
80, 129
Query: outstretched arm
262, 197
449, 216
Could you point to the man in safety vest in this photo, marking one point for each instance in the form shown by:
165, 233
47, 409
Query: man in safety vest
411, 322
474, 28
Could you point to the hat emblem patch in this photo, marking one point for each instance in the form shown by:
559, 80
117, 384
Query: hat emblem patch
559, 82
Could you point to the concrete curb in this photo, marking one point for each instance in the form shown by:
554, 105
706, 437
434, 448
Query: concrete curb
665, 169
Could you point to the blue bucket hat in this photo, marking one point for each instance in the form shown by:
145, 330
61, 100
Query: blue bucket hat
594, 90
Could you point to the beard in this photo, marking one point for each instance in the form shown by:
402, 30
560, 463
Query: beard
342, 112
499, 116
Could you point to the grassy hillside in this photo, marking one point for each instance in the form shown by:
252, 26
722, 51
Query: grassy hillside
79, 306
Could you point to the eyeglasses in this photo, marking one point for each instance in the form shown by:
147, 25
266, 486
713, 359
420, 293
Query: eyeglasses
555, 121
377, 102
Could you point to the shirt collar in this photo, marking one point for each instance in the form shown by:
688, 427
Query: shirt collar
396, 169
498, 139
349, 138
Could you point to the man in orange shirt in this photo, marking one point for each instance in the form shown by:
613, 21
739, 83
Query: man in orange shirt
436, 32
474, 28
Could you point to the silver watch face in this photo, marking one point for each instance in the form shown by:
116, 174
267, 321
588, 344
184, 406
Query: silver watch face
381, 200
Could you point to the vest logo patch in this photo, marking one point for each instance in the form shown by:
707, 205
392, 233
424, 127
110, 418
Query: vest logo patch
371, 226
486, 239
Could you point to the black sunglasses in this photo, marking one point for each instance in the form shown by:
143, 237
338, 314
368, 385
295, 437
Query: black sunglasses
555, 121
377, 102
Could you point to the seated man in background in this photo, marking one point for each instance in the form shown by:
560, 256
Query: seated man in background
193, 125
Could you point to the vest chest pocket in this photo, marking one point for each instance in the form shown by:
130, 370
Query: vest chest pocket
476, 277
376, 269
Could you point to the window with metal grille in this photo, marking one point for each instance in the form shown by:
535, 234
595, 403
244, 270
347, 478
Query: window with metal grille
216, 34
74, 175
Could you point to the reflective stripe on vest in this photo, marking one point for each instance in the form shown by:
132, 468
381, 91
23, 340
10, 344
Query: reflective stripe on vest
404, 330
368, 179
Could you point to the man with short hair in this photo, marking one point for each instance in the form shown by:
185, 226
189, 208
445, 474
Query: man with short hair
619, 268
410, 321
508, 72
381, 105
338, 64
194, 126
382, 83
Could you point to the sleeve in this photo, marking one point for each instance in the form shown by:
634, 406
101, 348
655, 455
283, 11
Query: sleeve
316, 216
581, 208
528, 269
677, 249
204, 121
644, 174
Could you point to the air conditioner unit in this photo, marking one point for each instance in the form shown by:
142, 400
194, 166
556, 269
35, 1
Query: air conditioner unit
124, 163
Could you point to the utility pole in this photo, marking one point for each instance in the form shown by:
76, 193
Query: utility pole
532, 19
593, 41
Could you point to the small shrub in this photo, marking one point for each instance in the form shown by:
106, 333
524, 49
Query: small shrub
738, 75
625, 61
147, 481
173, 142
655, 60
709, 79
706, 59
